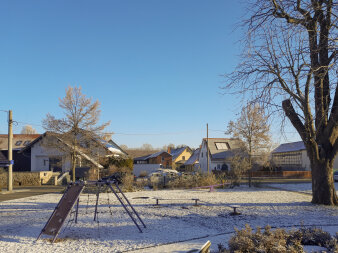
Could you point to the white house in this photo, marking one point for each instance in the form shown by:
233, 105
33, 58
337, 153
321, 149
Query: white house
221, 150
49, 158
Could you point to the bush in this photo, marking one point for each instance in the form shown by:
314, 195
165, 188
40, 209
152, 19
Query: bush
278, 240
143, 173
190, 181
128, 183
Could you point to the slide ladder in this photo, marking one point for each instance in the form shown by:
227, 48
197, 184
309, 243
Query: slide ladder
126, 205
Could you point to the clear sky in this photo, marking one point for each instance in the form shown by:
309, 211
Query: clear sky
155, 65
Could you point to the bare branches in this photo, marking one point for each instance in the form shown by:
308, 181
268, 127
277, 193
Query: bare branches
79, 130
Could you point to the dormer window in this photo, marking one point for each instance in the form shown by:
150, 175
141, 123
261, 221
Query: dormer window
18, 143
26, 143
222, 145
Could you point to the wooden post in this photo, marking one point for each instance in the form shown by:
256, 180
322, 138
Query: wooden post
10, 154
208, 148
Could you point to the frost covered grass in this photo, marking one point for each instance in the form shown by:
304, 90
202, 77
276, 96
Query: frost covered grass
175, 225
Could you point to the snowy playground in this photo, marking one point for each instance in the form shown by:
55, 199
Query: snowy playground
176, 224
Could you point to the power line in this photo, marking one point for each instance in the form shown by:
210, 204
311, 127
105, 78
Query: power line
154, 134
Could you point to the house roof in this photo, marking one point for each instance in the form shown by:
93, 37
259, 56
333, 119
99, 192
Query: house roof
136, 153
113, 147
144, 158
223, 155
289, 147
19, 140
221, 145
176, 152
193, 158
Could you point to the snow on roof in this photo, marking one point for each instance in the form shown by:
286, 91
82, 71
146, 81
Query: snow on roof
290, 147
112, 147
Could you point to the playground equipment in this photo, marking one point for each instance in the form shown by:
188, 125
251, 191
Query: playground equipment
71, 196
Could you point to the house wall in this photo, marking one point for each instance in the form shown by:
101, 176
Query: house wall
186, 154
164, 159
40, 158
203, 158
301, 158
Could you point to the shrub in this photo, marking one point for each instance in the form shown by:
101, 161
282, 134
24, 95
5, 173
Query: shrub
190, 181
278, 240
128, 182
143, 173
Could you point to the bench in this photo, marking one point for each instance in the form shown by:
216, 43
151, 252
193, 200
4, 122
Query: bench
158, 200
235, 209
211, 187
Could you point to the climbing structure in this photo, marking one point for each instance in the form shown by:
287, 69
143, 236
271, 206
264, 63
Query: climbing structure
72, 195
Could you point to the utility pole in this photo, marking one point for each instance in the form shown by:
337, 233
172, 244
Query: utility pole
10, 156
208, 148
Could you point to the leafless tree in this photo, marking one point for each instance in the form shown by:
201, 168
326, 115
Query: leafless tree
28, 129
289, 63
147, 146
79, 127
253, 129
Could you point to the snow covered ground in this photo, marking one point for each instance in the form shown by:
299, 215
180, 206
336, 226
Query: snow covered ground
174, 226
300, 187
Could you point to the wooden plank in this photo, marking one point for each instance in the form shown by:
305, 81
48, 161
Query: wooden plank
206, 247
62, 210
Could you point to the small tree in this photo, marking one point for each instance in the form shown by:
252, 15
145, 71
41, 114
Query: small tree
28, 129
252, 128
147, 146
79, 127
239, 165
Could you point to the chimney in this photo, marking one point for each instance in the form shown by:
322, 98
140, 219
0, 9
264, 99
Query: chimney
169, 150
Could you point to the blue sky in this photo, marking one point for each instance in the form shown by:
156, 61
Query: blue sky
155, 66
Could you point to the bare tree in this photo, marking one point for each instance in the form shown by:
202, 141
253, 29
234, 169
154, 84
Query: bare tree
28, 129
124, 147
252, 128
289, 64
80, 125
147, 146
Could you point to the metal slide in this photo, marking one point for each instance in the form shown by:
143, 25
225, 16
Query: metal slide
62, 210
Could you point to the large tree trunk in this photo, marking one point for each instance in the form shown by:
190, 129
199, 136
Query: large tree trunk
321, 153
323, 190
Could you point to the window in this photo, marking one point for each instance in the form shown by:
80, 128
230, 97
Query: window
183, 158
26, 143
222, 145
202, 154
18, 143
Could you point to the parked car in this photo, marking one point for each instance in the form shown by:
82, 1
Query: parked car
335, 176
162, 174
